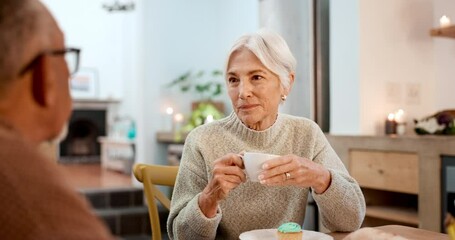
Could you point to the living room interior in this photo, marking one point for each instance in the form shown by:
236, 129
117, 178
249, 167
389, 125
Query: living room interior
366, 71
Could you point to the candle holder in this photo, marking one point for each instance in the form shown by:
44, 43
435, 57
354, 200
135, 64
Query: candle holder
167, 124
401, 128
177, 126
390, 127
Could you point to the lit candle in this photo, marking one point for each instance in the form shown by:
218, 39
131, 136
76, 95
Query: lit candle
399, 116
400, 121
444, 21
390, 124
178, 117
168, 124
209, 119
169, 111
391, 117
177, 125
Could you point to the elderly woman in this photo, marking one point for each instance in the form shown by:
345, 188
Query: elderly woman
212, 198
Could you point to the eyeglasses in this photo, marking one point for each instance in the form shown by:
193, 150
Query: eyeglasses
71, 59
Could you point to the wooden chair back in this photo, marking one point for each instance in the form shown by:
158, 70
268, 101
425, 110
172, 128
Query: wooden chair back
151, 176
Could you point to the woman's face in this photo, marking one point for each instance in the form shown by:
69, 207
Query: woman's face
254, 90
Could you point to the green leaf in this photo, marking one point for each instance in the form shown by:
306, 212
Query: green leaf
217, 73
179, 80
200, 74
185, 88
185, 76
217, 90
200, 88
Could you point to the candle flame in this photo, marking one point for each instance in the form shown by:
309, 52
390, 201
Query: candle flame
169, 110
444, 21
209, 118
399, 116
391, 117
178, 117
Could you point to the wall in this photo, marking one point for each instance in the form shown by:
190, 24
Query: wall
90, 27
395, 67
444, 58
396, 60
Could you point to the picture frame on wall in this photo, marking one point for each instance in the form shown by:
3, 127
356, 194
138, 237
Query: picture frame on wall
84, 84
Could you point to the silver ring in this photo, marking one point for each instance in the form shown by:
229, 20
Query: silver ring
288, 176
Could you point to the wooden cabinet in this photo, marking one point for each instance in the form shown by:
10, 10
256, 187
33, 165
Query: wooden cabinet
386, 178
399, 176
391, 171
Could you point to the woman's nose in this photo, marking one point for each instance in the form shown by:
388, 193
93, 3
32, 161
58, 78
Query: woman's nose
244, 89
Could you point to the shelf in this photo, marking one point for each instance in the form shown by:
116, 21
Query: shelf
170, 138
398, 214
443, 32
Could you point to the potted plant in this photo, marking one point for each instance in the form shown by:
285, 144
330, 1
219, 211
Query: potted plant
207, 86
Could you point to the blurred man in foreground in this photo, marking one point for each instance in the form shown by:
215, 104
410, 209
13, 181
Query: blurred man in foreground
36, 202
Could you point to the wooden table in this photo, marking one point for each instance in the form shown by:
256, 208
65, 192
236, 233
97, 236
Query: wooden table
407, 232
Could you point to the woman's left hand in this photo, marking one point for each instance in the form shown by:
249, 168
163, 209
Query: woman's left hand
292, 170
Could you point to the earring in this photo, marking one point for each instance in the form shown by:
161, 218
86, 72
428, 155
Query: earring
283, 98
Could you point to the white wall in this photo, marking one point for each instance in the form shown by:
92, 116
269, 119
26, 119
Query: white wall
396, 59
103, 37
444, 57
395, 68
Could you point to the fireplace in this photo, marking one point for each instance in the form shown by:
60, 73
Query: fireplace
81, 143
89, 121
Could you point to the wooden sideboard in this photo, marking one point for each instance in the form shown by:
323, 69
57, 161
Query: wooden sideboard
400, 176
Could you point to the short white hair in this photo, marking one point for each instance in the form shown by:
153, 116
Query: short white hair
272, 50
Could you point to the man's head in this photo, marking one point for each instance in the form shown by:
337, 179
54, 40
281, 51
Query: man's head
34, 93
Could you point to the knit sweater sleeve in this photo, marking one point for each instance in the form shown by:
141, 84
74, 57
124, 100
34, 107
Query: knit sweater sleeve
186, 220
342, 205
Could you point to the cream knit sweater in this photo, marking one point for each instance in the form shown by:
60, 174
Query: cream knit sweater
252, 205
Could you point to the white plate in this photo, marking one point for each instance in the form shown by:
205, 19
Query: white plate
271, 234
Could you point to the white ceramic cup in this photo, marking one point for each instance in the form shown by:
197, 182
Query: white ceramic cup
253, 163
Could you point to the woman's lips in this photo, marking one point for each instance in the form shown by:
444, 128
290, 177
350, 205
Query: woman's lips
248, 106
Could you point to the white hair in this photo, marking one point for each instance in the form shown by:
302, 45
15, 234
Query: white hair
271, 49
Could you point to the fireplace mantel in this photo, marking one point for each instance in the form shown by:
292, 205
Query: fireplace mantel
95, 104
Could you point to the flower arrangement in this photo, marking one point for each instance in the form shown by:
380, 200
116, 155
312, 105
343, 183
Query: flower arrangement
441, 123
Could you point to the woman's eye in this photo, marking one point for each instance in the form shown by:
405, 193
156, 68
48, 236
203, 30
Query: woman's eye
232, 80
257, 77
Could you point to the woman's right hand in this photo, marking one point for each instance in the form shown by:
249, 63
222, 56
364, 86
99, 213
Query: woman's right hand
227, 174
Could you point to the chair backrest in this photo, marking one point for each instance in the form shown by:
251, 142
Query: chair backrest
151, 175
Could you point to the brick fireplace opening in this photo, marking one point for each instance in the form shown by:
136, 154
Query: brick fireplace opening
89, 120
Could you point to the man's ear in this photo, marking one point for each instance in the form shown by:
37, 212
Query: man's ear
41, 85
